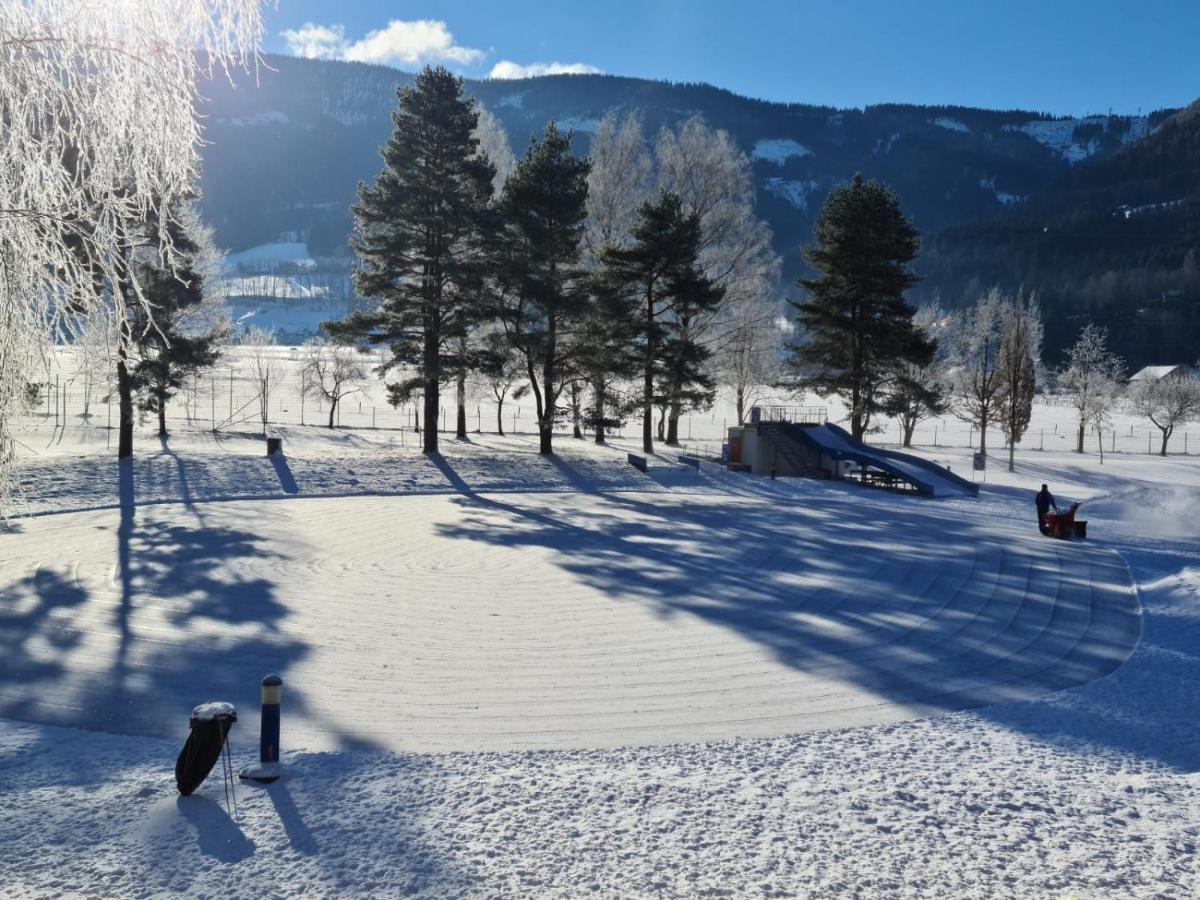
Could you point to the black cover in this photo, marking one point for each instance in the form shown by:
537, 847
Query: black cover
201, 751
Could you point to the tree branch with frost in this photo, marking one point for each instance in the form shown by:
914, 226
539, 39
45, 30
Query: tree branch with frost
98, 102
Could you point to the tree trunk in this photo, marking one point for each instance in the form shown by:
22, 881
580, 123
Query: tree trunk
1012, 449
983, 424
125, 393
162, 414
1166, 433
599, 399
648, 379
909, 426
332, 410
673, 425
500, 418
578, 427
460, 396
432, 366
741, 404
1079, 438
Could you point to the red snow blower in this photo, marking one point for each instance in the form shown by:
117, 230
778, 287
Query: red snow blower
1062, 524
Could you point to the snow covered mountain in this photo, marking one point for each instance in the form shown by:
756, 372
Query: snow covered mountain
287, 153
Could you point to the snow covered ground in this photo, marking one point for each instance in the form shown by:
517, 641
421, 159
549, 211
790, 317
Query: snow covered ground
677, 636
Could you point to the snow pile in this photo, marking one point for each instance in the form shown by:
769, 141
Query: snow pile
794, 192
778, 151
950, 124
214, 709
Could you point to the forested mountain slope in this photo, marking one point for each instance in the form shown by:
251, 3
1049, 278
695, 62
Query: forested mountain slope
1114, 241
286, 154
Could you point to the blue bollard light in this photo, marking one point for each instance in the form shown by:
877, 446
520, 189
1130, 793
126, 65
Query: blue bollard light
268, 768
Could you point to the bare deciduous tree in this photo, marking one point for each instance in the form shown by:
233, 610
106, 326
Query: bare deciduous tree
98, 102
1167, 402
618, 183
918, 392
331, 372
715, 182
975, 337
266, 369
749, 344
1020, 347
493, 141
1091, 379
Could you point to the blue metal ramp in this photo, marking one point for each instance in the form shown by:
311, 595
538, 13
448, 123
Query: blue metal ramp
924, 477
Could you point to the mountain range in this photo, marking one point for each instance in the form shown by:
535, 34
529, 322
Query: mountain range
285, 153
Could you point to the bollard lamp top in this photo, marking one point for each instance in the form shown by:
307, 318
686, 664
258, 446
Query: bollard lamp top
272, 681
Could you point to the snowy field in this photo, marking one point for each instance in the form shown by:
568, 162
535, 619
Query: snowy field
512, 676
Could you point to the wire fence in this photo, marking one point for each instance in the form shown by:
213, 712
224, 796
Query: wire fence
229, 398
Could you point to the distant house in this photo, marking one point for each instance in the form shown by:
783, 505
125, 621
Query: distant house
1158, 373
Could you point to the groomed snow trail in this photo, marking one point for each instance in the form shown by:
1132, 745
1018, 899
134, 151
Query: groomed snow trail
472, 621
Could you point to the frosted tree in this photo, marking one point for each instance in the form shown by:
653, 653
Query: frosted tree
95, 341
1167, 402
918, 389
618, 183
974, 341
266, 368
493, 141
1020, 348
749, 347
331, 372
715, 183
188, 325
98, 102
1091, 379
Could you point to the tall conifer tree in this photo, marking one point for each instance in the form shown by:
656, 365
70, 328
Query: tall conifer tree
661, 269
181, 339
419, 239
544, 288
856, 326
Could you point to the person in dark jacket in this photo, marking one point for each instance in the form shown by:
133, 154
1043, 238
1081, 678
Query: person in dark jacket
1045, 501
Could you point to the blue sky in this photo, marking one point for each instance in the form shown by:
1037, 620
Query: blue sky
1059, 56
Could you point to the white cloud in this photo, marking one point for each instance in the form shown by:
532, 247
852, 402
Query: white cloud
507, 69
420, 41
313, 41
400, 43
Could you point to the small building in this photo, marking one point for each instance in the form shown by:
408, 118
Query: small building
1158, 373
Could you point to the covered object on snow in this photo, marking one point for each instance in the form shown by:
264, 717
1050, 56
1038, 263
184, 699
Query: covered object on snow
209, 729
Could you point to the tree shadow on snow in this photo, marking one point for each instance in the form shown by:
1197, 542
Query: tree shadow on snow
186, 620
824, 585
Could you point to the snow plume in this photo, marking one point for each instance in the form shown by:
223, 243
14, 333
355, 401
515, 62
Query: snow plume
509, 70
401, 43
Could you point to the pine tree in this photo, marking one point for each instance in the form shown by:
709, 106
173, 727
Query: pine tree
606, 357
188, 324
661, 270
857, 327
419, 239
543, 288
